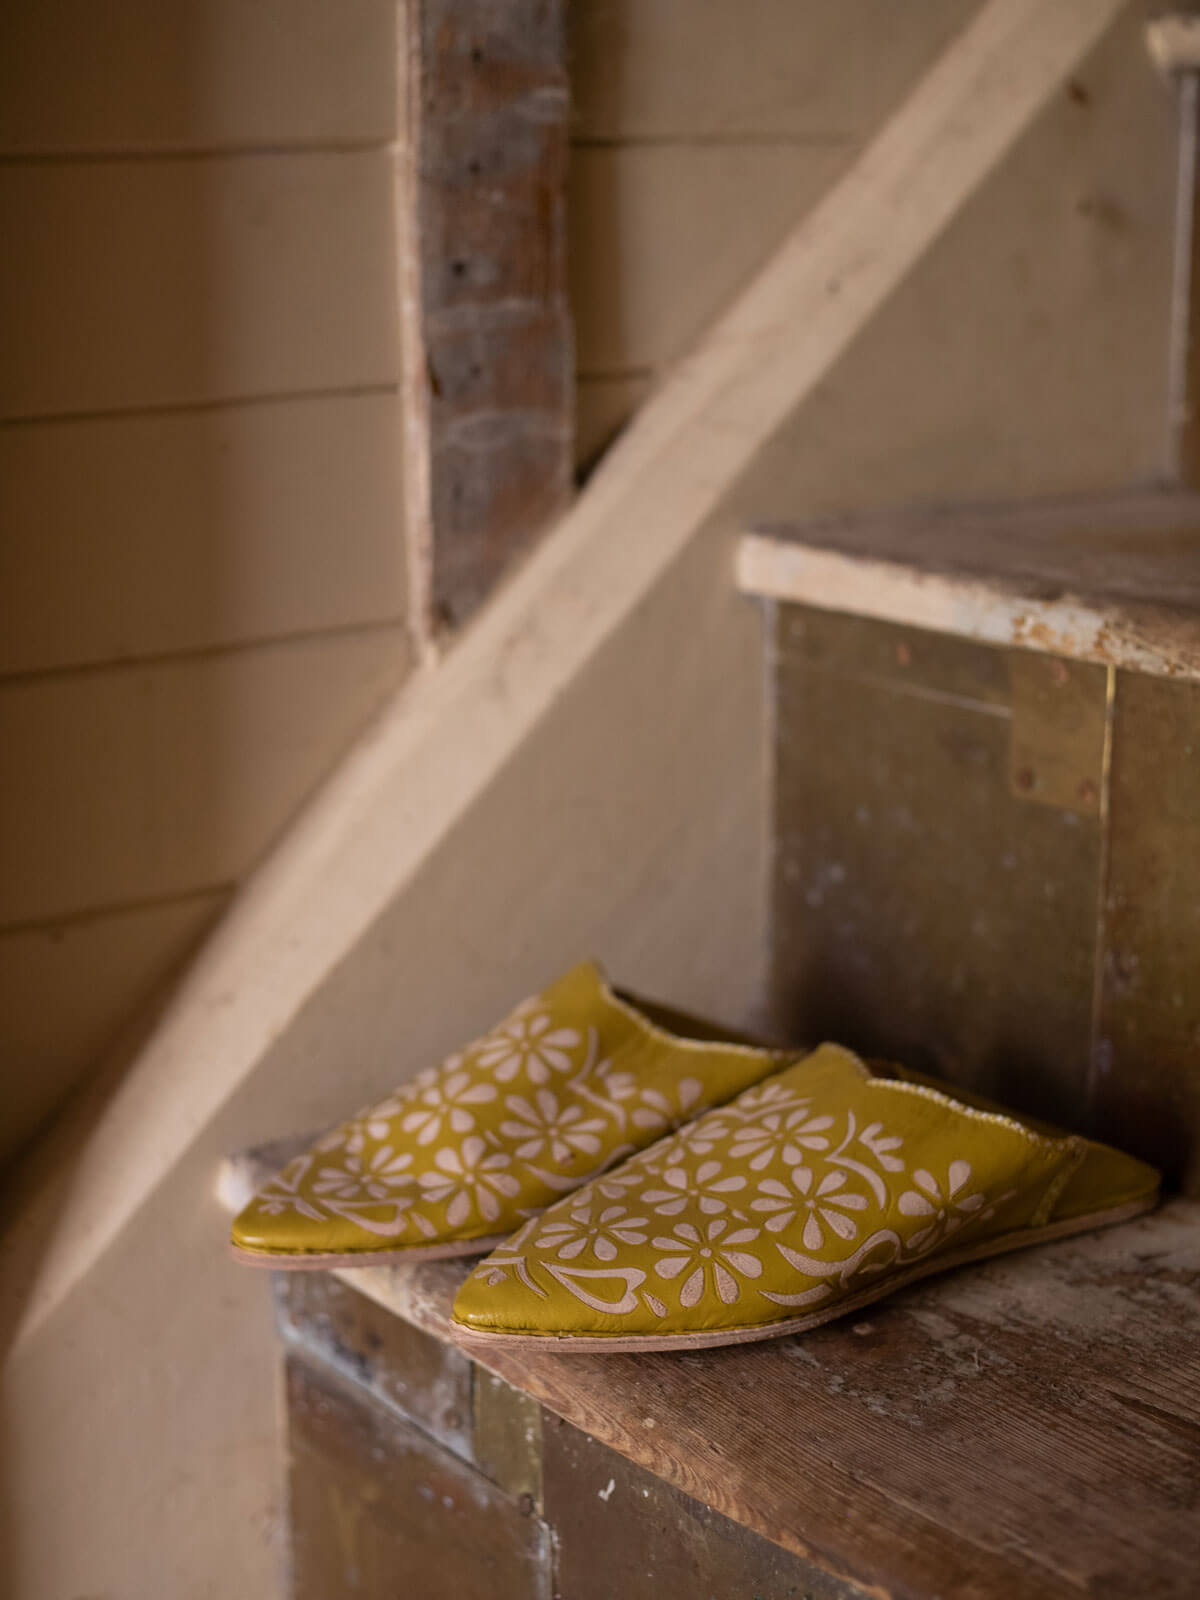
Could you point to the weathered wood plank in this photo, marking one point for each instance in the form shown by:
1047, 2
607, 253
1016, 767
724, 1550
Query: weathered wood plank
1029, 1425
1114, 579
917, 891
1146, 1067
487, 322
378, 1508
393, 1362
620, 1530
1026, 1426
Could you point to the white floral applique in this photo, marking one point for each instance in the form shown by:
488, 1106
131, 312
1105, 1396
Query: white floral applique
442, 1106
649, 1109
821, 1206
530, 1044
714, 1255
541, 1126
281, 1194
602, 1229
377, 1178
706, 1183
467, 1179
783, 1134
942, 1210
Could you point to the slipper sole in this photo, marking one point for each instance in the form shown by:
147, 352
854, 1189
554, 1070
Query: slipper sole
712, 1338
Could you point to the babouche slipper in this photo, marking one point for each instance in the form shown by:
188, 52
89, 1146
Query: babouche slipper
811, 1194
576, 1079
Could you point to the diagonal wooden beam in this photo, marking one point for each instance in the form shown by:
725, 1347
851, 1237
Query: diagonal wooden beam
451, 732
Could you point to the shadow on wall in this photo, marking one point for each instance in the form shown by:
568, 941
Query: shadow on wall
202, 575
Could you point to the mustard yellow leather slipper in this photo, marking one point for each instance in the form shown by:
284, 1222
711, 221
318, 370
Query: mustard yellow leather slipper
574, 1080
810, 1195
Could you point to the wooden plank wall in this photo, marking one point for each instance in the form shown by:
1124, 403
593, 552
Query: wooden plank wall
700, 132
202, 576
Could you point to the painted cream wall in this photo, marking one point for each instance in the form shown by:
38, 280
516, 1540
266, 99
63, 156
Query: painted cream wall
202, 576
701, 130
1028, 355
139, 1451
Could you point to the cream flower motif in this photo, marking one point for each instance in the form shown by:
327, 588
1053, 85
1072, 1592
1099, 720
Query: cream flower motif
699, 1255
544, 1124
531, 1044
444, 1100
467, 1178
281, 1195
374, 1180
700, 1138
375, 1122
706, 1186
336, 1138
613, 1225
617, 1184
769, 1096
946, 1212
786, 1134
824, 1208
654, 1109
881, 1146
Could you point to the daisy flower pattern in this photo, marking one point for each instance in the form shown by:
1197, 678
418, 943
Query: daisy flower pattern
777, 1208
566, 1087
442, 1104
541, 1126
708, 1183
531, 1045
821, 1205
941, 1211
374, 1179
603, 1230
786, 1134
713, 1254
468, 1178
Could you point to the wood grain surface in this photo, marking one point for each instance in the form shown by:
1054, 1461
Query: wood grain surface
1027, 1427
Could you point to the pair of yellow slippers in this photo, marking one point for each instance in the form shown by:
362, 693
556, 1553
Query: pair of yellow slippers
645, 1181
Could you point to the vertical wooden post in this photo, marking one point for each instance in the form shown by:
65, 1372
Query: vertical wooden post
489, 391
1174, 44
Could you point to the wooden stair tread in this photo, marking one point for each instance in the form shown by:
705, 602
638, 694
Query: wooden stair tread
1114, 579
1029, 1425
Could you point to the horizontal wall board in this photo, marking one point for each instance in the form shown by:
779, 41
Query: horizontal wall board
602, 408
662, 237
158, 534
763, 68
141, 284
154, 74
67, 989
141, 782
1027, 353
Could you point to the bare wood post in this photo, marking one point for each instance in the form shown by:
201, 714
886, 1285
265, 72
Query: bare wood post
488, 346
1174, 45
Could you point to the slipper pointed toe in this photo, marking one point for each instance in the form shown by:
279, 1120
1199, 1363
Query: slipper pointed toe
575, 1079
808, 1196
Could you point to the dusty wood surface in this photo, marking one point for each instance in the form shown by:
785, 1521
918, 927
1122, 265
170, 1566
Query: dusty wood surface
491, 1464
1027, 1426
1113, 580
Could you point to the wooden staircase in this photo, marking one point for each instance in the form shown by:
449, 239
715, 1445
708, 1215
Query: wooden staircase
584, 770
